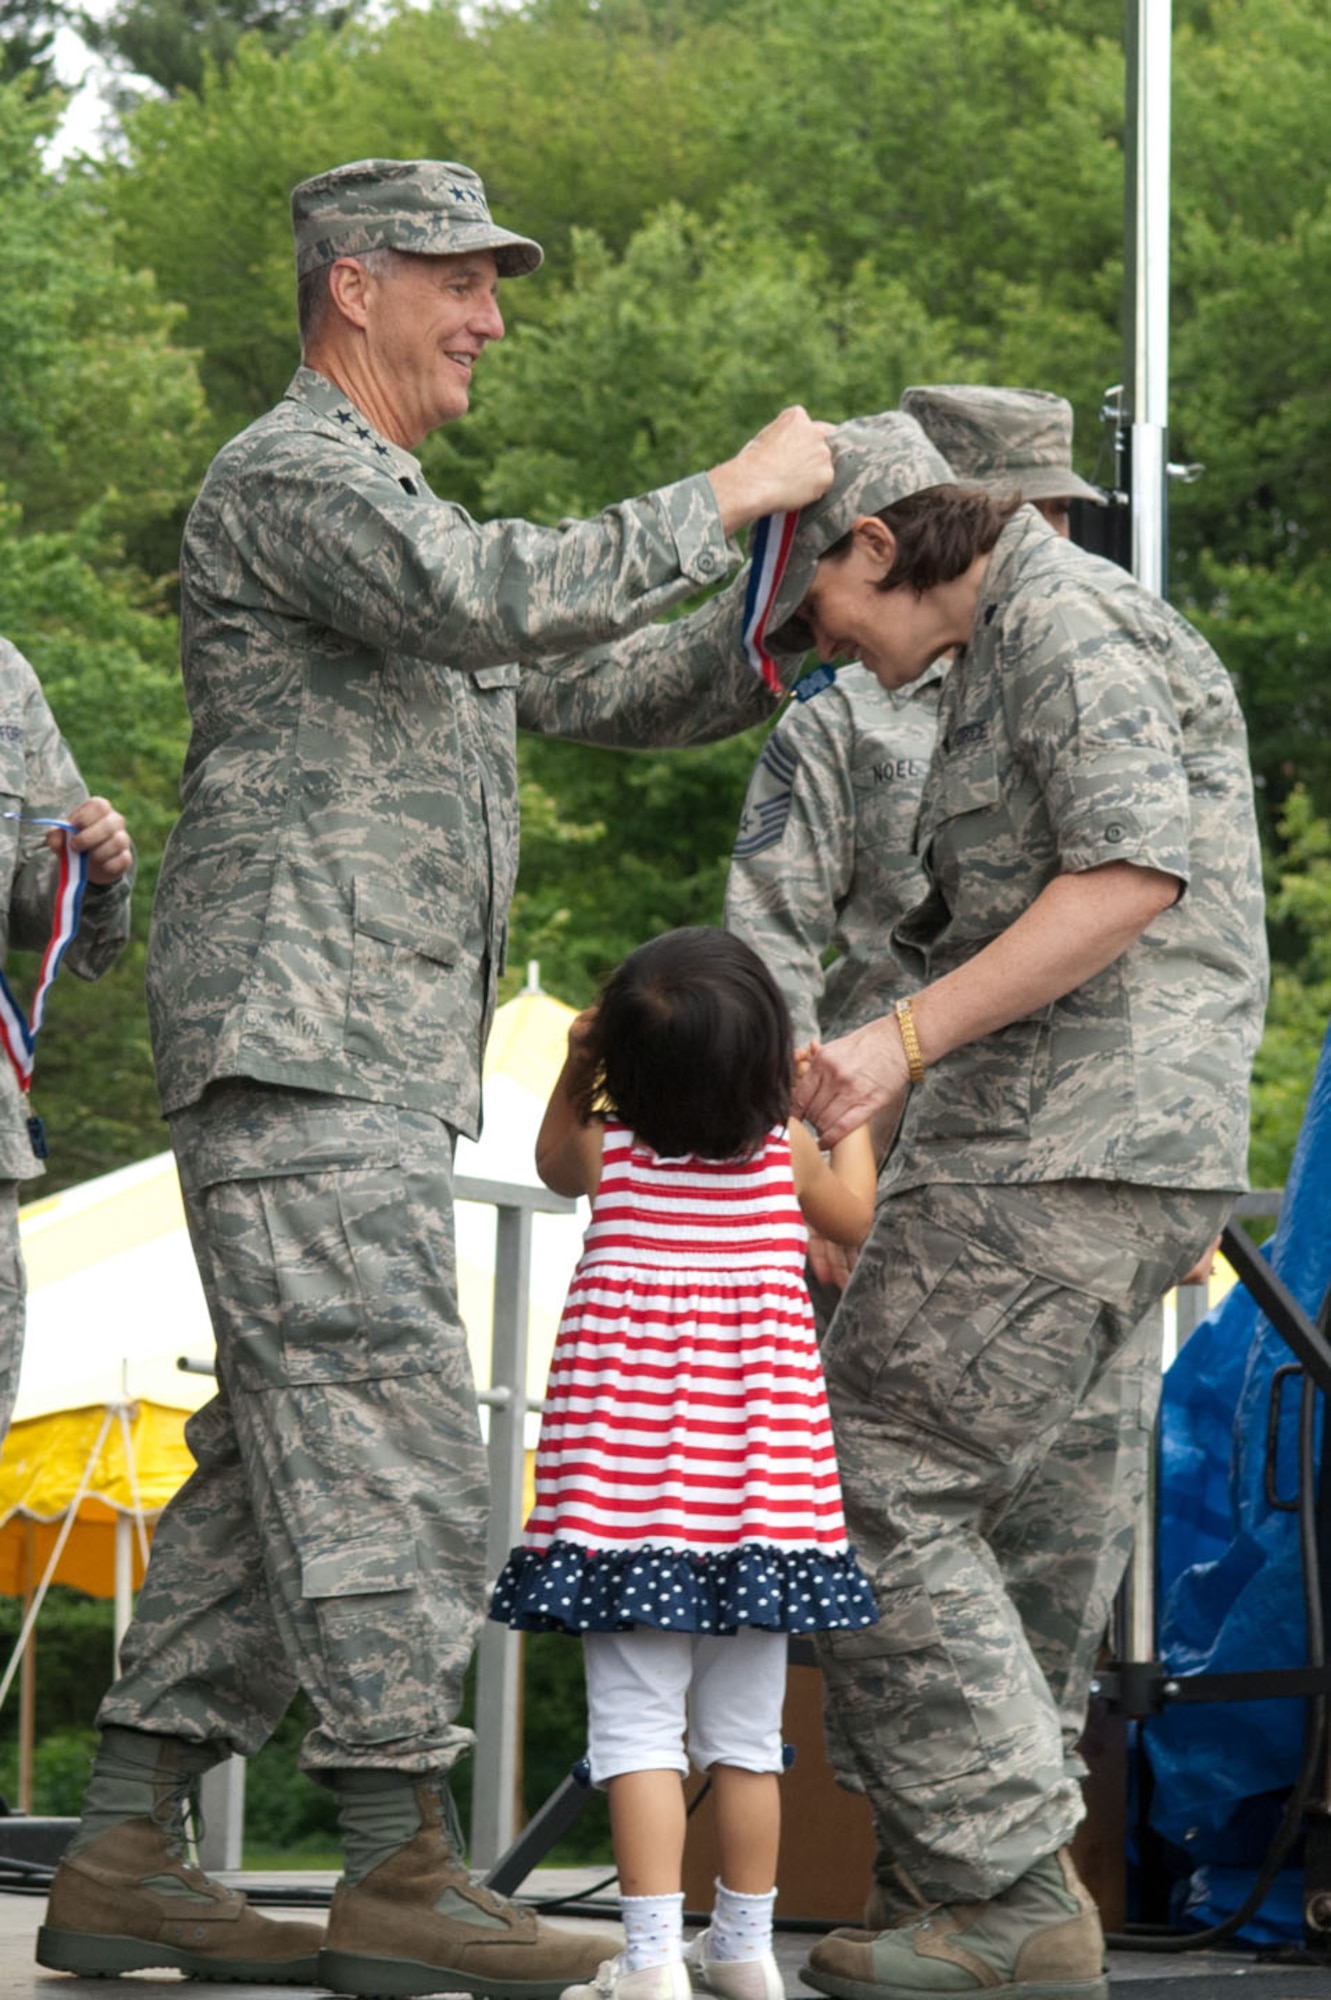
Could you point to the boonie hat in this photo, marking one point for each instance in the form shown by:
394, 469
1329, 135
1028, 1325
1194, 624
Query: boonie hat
430, 207
1003, 439
876, 460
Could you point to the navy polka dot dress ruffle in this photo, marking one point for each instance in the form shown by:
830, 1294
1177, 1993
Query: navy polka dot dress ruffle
566, 1588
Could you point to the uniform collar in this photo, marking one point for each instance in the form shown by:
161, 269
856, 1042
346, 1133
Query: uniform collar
317, 393
1024, 537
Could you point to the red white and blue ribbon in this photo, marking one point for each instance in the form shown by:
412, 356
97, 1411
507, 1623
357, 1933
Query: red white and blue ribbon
772, 540
17, 1032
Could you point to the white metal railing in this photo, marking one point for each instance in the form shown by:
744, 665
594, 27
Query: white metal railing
1134, 1619
499, 1652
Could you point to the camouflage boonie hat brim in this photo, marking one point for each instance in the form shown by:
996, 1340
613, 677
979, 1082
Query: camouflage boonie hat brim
1006, 440
876, 460
430, 208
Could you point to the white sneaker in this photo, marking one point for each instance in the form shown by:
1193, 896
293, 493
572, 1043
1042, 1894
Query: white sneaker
732, 1978
649, 1982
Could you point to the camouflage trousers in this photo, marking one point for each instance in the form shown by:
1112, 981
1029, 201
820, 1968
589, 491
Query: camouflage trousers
986, 1360
1063, 1543
13, 1303
333, 1535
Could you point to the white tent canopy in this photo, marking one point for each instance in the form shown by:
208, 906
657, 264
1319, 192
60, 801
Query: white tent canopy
114, 1298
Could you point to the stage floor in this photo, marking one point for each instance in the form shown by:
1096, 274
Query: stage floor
1133, 1975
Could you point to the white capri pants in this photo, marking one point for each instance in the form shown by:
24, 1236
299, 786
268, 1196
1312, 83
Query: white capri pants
642, 1685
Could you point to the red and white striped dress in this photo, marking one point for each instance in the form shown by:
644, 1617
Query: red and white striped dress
686, 1474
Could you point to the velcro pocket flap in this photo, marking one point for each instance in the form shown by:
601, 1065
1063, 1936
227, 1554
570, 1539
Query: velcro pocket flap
358, 1569
385, 913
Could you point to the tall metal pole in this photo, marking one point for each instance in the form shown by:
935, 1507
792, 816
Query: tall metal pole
1146, 378
1146, 372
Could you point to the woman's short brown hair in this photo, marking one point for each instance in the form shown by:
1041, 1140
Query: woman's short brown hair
939, 533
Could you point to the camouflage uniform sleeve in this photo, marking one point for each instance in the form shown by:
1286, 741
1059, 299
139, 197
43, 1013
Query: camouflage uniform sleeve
306, 529
52, 788
666, 686
1091, 709
794, 854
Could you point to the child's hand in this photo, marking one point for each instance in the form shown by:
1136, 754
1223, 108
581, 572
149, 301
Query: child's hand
831, 1263
579, 1028
579, 1033
804, 1056
1204, 1266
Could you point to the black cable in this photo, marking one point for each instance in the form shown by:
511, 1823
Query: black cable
578, 1901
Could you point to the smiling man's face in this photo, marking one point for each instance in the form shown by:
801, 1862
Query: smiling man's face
427, 321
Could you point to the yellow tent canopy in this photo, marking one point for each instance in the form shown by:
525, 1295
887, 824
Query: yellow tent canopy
113, 1301
43, 1464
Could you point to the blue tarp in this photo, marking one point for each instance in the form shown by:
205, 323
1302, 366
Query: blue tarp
1231, 1586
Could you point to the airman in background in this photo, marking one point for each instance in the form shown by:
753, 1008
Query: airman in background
39, 782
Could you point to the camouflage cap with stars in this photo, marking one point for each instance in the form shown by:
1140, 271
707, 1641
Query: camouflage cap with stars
1006, 440
432, 208
875, 461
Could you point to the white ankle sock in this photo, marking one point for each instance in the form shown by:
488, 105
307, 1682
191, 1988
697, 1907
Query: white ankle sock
653, 1930
741, 1925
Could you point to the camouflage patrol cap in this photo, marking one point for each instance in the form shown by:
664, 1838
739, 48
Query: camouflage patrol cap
1004, 439
432, 207
875, 461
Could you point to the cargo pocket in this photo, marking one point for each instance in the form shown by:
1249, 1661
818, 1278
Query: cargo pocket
901, 1699
375, 1662
326, 1277
884, 1329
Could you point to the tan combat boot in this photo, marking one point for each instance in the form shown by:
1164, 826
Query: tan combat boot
1038, 1940
416, 1922
124, 1898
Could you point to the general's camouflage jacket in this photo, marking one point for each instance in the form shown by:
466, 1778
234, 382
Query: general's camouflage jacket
357, 655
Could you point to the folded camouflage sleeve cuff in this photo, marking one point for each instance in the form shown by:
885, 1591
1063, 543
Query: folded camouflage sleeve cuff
103, 927
1104, 738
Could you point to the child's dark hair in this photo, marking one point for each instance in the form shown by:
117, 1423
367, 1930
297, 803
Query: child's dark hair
691, 1046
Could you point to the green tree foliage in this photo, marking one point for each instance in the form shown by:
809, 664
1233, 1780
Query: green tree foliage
1300, 1009
27, 43
176, 42
101, 409
706, 328
592, 118
1271, 624
587, 893
102, 434
1252, 343
75, 1658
